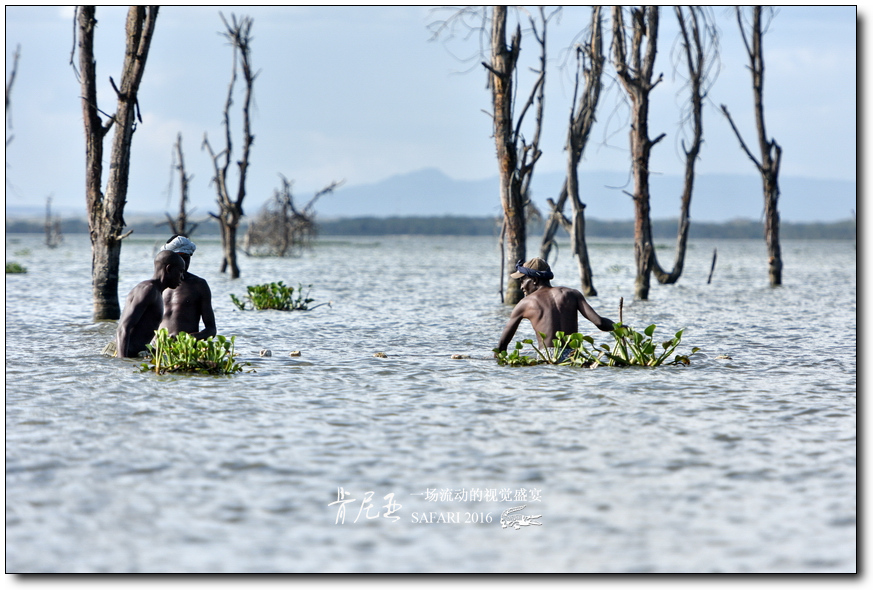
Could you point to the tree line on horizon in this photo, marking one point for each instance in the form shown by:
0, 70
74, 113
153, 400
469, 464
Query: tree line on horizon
486, 226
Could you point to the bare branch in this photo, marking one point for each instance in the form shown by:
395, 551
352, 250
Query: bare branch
238, 34
11, 79
740, 138
462, 24
326, 190
114, 87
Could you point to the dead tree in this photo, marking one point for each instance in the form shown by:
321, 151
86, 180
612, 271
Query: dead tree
281, 229
53, 235
106, 211
634, 66
231, 209
9, 82
590, 60
697, 34
771, 152
516, 158
180, 225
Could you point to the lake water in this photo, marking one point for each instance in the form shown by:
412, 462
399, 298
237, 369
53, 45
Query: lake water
745, 464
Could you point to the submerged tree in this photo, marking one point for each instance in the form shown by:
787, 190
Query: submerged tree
238, 33
590, 60
53, 235
10, 80
634, 66
516, 157
697, 48
771, 152
281, 229
180, 225
106, 211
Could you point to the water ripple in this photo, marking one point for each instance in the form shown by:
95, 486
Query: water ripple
741, 464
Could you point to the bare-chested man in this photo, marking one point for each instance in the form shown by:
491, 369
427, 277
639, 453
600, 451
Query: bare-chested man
192, 300
144, 306
549, 309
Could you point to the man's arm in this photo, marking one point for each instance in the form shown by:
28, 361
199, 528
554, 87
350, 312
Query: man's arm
603, 324
206, 313
512, 325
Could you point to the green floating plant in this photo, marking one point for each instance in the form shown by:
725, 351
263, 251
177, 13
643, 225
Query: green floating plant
15, 268
631, 348
274, 296
185, 354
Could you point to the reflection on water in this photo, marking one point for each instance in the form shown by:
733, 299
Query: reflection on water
744, 464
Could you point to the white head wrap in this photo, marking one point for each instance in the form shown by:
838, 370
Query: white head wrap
180, 245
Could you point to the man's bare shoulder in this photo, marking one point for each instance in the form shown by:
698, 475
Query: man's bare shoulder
142, 289
195, 282
560, 292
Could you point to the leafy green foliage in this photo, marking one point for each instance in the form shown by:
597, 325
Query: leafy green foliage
630, 348
274, 296
514, 358
15, 268
185, 354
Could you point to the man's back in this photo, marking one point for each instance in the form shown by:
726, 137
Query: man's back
553, 309
142, 314
186, 305
550, 310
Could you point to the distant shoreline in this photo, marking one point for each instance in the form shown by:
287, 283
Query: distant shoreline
479, 226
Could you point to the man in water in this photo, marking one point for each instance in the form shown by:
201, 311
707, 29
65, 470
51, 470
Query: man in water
191, 301
144, 306
549, 309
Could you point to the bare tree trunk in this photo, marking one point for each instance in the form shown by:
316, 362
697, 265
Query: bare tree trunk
577, 138
9, 82
503, 61
516, 162
105, 213
555, 219
635, 72
230, 210
694, 34
179, 225
182, 219
53, 236
771, 152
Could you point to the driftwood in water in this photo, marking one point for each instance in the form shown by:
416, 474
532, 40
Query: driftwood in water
712, 268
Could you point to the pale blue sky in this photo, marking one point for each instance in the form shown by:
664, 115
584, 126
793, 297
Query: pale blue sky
359, 93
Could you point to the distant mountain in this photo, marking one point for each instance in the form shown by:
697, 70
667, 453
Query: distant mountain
425, 192
717, 197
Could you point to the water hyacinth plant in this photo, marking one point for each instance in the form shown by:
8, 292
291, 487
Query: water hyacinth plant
274, 296
631, 348
185, 354
15, 268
